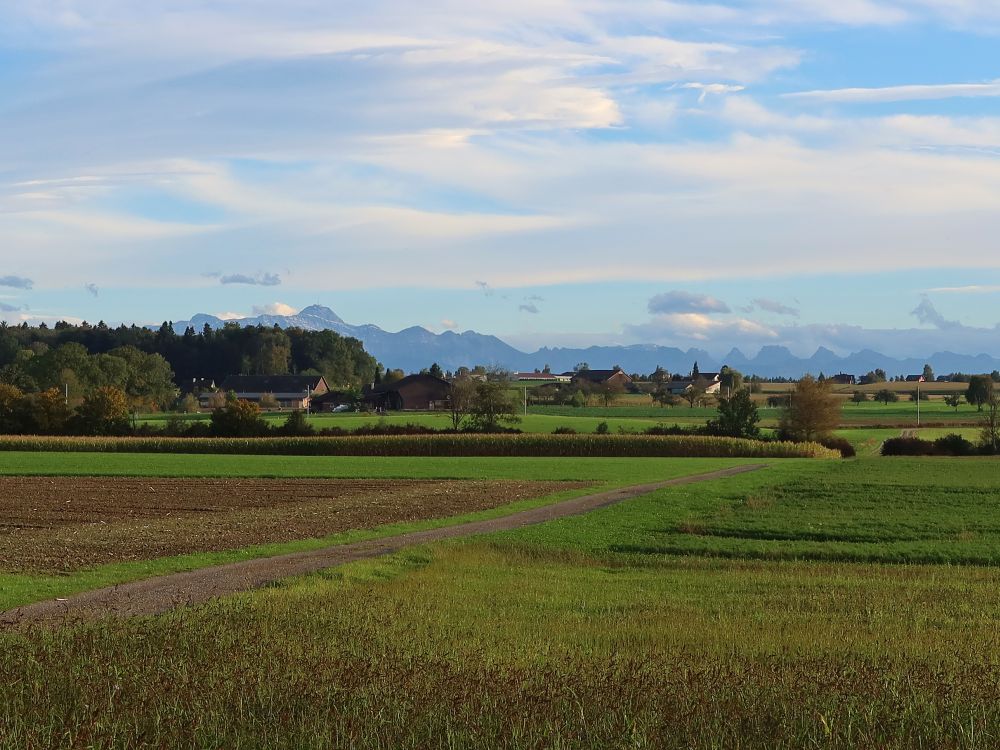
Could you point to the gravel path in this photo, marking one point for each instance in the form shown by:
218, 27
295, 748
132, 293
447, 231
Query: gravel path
155, 595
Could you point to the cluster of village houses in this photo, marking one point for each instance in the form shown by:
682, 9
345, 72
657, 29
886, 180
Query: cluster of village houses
422, 391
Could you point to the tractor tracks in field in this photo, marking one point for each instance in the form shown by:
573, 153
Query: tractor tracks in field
160, 594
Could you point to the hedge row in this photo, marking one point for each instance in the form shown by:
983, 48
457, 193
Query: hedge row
437, 445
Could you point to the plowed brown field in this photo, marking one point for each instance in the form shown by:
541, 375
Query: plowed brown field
52, 524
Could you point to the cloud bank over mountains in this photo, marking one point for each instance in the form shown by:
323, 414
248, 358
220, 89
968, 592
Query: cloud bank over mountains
388, 146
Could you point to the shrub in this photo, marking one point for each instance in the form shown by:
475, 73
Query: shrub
238, 419
839, 444
103, 412
563, 431
954, 445
907, 446
674, 429
737, 417
296, 424
602, 429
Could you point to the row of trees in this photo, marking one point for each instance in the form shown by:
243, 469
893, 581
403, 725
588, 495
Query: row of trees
36, 358
103, 411
145, 379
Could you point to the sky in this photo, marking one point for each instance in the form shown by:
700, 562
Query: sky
747, 173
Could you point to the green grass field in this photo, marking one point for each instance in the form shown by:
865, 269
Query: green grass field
761, 611
630, 416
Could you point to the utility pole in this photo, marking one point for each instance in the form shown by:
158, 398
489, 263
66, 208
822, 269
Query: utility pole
66, 393
525, 400
918, 403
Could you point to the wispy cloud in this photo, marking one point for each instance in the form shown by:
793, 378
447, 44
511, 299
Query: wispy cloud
915, 92
685, 302
17, 282
971, 289
92, 289
485, 288
260, 279
771, 306
5, 307
528, 308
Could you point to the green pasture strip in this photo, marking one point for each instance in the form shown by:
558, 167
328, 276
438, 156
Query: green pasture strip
542, 423
466, 645
867, 440
669, 414
926, 510
614, 470
18, 588
971, 434
905, 412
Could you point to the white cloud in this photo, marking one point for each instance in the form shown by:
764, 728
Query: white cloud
713, 88
900, 93
686, 302
971, 289
275, 308
695, 327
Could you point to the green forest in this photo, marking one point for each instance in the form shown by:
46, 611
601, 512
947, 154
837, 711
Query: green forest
149, 365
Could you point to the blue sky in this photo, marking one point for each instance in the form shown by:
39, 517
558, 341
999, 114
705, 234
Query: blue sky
796, 172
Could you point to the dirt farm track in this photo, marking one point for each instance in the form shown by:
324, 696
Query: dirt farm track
52, 524
160, 594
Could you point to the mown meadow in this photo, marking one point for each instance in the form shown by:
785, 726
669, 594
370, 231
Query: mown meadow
769, 610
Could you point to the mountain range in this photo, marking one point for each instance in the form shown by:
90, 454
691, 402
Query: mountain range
415, 348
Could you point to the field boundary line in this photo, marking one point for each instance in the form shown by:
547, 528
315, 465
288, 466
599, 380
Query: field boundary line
159, 594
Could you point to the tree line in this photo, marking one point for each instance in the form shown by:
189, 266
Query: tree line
148, 365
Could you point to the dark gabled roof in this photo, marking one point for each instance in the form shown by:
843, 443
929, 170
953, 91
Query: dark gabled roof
272, 383
914, 378
402, 382
598, 376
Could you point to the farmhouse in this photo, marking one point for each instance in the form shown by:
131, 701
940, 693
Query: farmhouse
708, 382
600, 377
197, 386
290, 391
843, 379
412, 392
915, 379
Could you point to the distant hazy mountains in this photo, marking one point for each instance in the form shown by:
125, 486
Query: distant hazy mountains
414, 348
